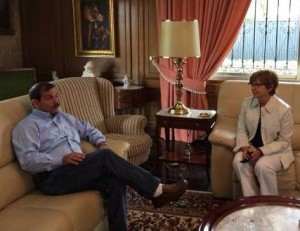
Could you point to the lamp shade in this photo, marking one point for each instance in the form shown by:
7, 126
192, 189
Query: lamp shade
179, 39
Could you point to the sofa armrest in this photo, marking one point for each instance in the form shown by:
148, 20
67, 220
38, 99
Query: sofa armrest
224, 132
126, 124
117, 146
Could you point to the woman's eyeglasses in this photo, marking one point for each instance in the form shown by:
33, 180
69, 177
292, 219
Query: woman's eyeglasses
256, 84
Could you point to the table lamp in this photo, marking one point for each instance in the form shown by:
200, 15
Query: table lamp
179, 40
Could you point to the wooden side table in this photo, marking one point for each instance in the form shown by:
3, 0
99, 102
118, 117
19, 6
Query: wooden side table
129, 98
203, 120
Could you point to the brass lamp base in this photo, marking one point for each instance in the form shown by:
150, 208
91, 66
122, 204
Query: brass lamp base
179, 109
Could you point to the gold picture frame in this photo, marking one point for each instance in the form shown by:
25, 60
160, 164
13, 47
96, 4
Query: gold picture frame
94, 28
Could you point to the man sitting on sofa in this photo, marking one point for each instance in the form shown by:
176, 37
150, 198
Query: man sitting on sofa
47, 143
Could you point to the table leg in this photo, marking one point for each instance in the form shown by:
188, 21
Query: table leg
167, 135
158, 148
172, 139
207, 159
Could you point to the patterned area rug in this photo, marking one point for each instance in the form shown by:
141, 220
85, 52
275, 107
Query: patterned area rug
183, 214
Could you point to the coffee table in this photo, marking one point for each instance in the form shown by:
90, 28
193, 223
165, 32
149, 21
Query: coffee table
263, 213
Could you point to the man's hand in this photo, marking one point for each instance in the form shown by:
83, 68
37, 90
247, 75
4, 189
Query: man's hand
102, 145
73, 158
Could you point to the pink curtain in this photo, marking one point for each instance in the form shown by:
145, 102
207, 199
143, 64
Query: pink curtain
219, 24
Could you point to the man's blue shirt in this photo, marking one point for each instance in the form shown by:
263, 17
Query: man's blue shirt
41, 141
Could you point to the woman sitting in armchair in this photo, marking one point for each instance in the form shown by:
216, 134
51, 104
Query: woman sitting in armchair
263, 141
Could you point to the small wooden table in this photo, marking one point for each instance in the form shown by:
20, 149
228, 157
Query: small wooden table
129, 98
191, 121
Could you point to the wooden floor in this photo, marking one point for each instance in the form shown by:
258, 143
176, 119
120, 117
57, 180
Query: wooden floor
174, 168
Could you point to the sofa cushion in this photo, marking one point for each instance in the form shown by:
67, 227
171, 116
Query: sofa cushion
119, 147
286, 179
229, 102
126, 124
288, 92
12, 111
84, 209
224, 132
138, 151
106, 95
14, 183
297, 169
295, 137
34, 219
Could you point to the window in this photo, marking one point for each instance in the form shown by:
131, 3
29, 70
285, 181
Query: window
269, 39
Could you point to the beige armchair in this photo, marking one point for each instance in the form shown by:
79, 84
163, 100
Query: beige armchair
92, 99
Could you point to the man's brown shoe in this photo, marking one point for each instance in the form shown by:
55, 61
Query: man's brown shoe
170, 193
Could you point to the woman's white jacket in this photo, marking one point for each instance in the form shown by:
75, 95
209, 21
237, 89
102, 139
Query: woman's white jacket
276, 127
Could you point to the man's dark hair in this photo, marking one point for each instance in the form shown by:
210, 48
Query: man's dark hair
35, 92
268, 78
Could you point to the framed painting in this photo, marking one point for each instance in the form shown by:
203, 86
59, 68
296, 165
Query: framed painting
94, 28
6, 17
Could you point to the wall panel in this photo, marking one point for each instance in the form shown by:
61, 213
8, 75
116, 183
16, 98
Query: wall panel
10, 45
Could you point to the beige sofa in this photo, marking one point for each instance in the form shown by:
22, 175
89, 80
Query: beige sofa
224, 183
22, 206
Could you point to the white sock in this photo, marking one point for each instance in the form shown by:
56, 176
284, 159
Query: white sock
158, 191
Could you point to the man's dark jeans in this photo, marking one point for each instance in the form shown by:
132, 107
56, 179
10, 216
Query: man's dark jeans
105, 171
